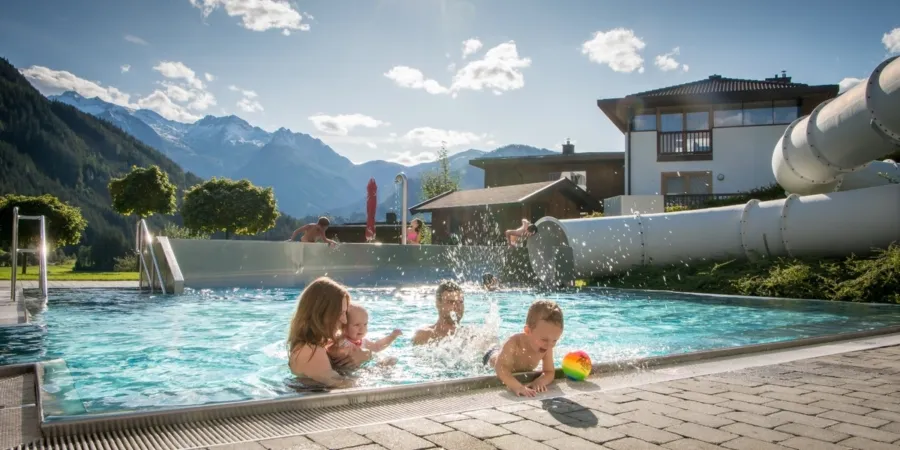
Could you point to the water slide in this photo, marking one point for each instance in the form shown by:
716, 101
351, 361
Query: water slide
840, 200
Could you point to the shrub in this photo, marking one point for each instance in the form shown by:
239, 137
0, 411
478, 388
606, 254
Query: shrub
127, 263
764, 193
592, 215
676, 208
176, 232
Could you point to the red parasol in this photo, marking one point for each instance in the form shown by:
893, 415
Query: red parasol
371, 204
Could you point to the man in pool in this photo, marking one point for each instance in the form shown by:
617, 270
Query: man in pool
450, 306
525, 231
314, 232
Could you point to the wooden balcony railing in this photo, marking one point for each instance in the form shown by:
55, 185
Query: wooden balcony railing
684, 146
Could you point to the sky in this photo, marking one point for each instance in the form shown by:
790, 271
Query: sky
397, 79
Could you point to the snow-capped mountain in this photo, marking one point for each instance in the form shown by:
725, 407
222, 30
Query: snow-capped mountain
309, 177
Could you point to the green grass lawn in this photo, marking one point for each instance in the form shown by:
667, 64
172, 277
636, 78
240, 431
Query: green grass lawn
65, 273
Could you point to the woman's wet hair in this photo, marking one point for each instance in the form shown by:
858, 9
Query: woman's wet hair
318, 313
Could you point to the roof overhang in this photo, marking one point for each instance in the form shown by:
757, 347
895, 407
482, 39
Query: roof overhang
617, 109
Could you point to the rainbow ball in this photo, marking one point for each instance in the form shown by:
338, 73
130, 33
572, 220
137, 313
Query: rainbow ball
577, 365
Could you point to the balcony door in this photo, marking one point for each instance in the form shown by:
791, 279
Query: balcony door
686, 183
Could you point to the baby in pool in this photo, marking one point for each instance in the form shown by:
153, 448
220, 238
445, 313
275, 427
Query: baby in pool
354, 333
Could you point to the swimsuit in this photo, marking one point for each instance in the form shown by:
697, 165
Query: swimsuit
488, 354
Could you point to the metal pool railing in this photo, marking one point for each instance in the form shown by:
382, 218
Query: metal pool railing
15, 251
143, 246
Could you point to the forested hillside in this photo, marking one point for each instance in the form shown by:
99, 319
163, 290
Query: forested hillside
50, 147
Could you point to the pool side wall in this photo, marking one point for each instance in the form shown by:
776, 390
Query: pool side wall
209, 264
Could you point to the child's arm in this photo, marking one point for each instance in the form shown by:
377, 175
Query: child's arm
383, 343
505, 361
548, 373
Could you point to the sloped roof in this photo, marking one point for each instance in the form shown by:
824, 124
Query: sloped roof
719, 84
715, 89
502, 195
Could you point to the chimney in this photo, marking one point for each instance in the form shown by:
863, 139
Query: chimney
568, 148
783, 78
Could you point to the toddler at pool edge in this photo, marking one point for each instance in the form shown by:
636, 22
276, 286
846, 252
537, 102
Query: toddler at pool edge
353, 336
523, 351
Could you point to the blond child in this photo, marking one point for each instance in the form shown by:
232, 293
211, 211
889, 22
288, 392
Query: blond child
353, 335
523, 351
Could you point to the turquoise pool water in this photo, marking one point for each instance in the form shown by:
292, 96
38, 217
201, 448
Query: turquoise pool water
123, 350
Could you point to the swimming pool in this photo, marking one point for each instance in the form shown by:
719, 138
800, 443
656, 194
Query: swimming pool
124, 350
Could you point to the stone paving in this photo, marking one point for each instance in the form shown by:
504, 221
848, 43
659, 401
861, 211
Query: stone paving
844, 401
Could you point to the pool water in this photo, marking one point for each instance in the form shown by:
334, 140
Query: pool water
125, 350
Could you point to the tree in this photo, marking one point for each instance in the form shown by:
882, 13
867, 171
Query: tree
437, 182
64, 222
143, 192
235, 207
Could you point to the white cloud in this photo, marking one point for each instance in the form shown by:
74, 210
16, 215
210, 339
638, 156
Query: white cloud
248, 102
161, 103
409, 77
666, 62
618, 48
435, 138
209, 76
51, 81
409, 159
135, 40
685, 67
891, 40
178, 71
848, 83
125, 68
343, 124
470, 46
371, 145
249, 105
178, 93
259, 15
498, 71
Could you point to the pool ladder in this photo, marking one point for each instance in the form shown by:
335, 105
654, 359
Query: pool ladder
143, 243
15, 251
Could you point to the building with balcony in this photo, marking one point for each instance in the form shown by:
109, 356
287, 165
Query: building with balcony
710, 137
600, 174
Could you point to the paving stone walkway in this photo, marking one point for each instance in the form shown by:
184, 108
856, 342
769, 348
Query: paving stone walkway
845, 401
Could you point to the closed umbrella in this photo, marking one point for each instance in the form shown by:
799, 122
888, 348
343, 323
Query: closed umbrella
371, 204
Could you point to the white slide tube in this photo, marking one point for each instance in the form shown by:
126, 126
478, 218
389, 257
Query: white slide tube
830, 150
833, 148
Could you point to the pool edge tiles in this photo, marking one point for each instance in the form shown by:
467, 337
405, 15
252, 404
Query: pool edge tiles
425, 392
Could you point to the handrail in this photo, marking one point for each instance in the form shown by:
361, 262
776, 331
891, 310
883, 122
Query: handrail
143, 236
15, 251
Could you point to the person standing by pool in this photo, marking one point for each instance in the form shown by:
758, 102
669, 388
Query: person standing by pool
321, 312
523, 232
414, 232
450, 306
314, 232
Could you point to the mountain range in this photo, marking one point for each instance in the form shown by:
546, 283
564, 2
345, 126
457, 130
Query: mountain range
308, 176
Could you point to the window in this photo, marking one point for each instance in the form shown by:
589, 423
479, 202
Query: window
758, 113
686, 183
786, 112
731, 115
553, 176
696, 121
644, 122
670, 122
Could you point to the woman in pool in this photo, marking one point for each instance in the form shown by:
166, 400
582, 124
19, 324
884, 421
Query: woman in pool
321, 311
414, 232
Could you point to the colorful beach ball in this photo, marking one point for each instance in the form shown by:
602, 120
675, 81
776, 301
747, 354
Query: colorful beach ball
577, 365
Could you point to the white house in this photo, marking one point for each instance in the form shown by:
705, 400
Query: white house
713, 136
